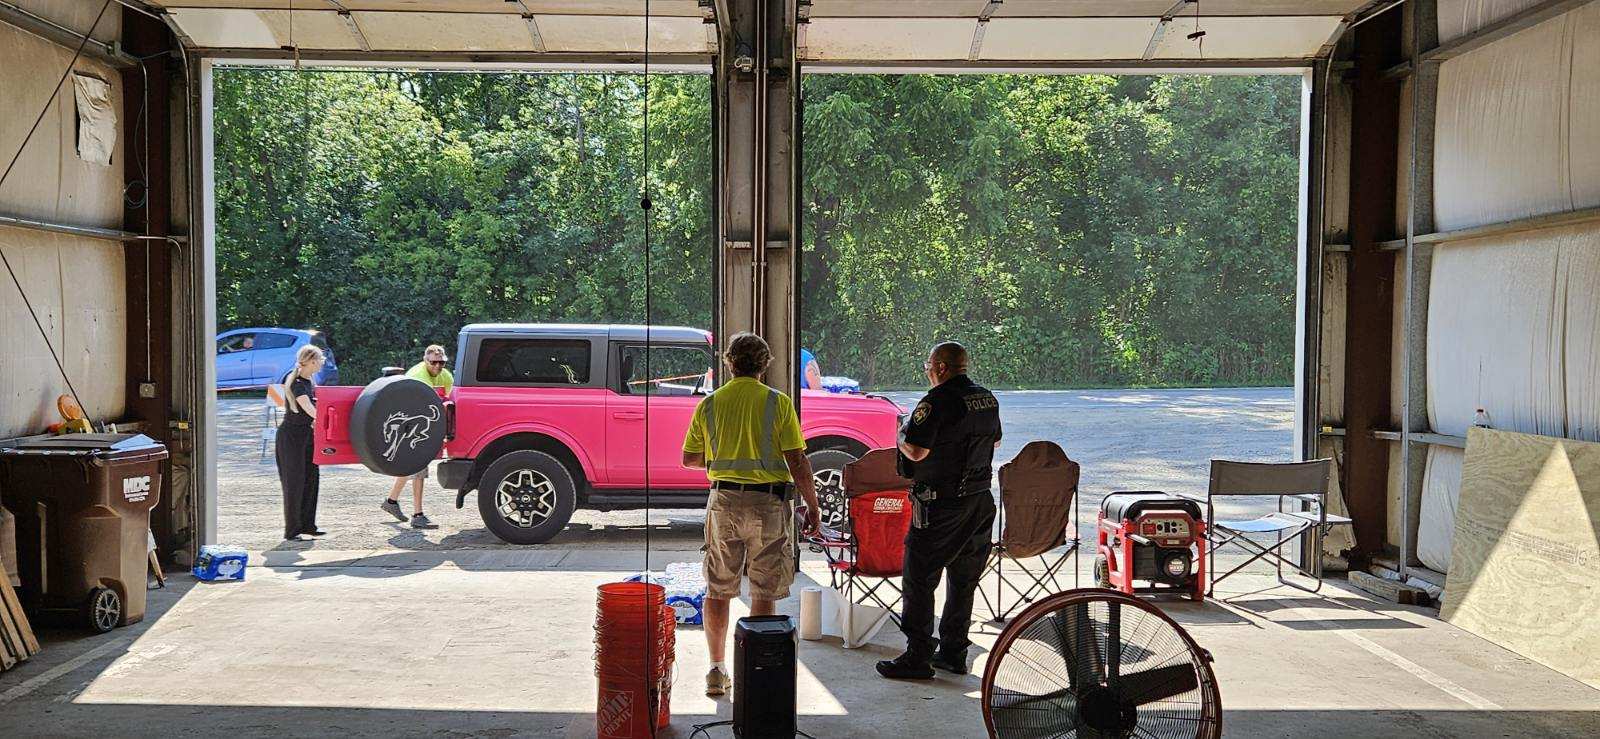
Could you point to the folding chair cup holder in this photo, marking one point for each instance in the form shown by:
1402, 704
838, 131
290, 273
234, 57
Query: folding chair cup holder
1305, 484
1037, 517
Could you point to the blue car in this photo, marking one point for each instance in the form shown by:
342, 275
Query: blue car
255, 357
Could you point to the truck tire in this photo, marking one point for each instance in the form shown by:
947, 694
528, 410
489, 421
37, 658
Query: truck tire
827, 473
526, 497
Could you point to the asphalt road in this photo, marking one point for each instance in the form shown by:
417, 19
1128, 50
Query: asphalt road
1124, 439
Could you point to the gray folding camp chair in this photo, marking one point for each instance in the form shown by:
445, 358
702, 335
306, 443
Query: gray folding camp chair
1305, 484
1038, 493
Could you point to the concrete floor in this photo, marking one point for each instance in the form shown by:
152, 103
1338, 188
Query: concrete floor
498, 643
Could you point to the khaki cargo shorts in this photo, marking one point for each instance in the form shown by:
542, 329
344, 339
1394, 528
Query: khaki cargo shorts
749, 533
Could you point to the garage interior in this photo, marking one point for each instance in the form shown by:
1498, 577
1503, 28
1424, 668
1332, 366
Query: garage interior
1448, 352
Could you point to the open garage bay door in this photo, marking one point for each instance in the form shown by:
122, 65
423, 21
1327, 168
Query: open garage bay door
867, 33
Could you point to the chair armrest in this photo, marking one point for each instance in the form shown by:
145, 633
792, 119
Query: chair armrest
1308, 497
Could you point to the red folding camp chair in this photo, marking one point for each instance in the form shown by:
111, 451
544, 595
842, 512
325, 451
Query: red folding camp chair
878, 504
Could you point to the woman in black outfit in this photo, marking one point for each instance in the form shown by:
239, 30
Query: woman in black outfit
298, 474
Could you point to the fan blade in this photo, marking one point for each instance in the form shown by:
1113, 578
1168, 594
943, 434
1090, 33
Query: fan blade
1023, 716
1161, 683
1080, 650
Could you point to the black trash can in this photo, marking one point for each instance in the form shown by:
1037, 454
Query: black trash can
82, 503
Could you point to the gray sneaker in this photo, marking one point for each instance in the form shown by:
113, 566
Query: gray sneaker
420, 521
717, 682
393, 508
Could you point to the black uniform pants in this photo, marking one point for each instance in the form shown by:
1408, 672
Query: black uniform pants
958, 538
300, 479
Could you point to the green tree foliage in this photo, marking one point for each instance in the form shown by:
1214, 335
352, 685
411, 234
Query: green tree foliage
1072, 230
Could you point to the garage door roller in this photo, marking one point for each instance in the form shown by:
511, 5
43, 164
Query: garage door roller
397, 426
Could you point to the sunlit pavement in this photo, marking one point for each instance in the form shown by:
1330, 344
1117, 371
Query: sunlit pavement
1124, 439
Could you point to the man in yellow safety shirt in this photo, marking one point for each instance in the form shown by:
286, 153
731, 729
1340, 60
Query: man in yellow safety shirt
747, 437
431, 370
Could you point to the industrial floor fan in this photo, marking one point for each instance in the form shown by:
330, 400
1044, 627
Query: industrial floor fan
1099, 664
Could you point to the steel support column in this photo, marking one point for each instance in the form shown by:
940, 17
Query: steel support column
757, 87
146, 119
1374, 121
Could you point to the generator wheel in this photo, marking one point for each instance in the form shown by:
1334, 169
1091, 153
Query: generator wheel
102, 612
1102, 572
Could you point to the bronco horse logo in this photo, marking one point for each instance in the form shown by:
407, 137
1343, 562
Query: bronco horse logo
401, 428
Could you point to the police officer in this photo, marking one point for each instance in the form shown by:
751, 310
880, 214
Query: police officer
947, 449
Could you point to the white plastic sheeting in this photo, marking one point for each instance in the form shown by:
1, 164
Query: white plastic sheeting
1458, 18
1513, 320
1441, 490
1518, 126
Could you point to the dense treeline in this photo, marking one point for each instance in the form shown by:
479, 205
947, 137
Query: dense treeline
1073, 230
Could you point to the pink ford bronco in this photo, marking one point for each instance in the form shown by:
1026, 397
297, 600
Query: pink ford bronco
545, 418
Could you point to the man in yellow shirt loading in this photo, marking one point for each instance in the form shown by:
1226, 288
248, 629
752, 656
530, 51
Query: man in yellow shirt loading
432, 371
746, 436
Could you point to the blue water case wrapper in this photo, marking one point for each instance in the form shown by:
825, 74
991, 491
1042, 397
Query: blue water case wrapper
219, 563
686, 590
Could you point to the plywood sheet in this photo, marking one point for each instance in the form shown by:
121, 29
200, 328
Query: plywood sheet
1525, 563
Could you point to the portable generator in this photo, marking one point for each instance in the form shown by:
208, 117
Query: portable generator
1151, 537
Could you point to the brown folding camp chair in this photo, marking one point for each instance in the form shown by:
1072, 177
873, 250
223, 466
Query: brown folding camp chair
1038, 496
1303, 483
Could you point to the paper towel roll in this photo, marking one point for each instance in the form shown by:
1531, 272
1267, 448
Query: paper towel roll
811, 613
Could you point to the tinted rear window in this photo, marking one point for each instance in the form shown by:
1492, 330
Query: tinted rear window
533, 361
319, 341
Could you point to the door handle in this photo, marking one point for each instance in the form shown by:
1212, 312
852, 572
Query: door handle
628, 416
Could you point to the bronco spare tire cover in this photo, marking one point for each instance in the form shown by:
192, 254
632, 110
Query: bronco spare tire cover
397, 426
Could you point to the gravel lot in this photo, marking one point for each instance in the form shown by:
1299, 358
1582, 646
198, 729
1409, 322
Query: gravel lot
1125, 440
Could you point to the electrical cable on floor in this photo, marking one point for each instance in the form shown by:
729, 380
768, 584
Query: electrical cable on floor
703, 730
76, 54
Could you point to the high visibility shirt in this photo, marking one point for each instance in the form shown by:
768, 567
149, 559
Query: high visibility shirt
442, 380
743, 429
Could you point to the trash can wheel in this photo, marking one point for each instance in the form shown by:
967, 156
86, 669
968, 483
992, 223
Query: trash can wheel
103, 610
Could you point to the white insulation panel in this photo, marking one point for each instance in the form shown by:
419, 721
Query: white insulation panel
1458, 18
1513, 320
75, 285
1441, 491
1518, 127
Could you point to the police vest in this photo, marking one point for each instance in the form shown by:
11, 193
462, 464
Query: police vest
960, 461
